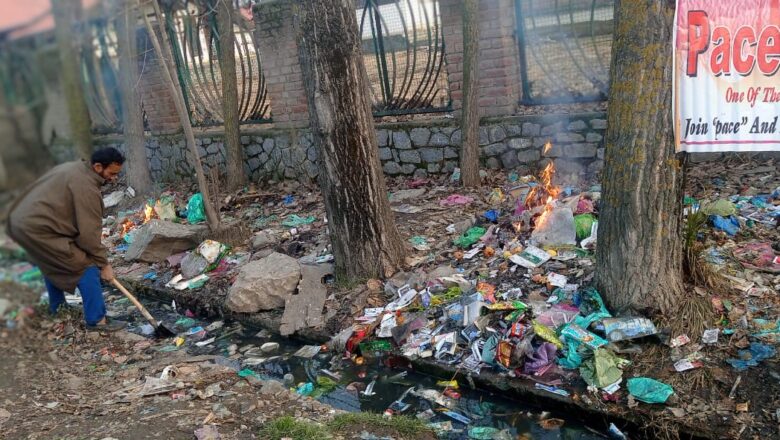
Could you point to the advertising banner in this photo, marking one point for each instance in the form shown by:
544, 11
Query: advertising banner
726, 82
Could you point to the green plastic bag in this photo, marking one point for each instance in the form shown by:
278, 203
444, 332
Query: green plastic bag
296, 220
196, 212
470, 237
583, 224
483, 433
602, 369
649, 390
722, 207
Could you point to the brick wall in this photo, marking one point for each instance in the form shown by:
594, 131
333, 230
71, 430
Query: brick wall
499, 76
279, 53
155, 93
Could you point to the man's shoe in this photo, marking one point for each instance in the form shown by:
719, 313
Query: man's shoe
111, 325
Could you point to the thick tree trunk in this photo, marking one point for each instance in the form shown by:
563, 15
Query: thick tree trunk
227, 64
66, 13
163, 50
469, 151
137, 166
366, 242
639, 254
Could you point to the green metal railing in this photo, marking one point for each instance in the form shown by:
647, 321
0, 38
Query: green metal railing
193, 34
565, 48
403, 51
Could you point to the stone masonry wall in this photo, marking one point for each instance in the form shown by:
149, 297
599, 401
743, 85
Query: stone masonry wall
412, 149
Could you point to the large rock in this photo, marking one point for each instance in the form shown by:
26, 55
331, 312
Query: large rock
305, 309
158, 239
264, 284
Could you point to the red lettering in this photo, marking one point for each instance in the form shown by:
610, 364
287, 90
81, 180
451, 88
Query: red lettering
698, 39
720, 60
744, 65
769, 50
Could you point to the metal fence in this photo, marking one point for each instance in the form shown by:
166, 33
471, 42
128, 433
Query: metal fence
193, 33
565, 49
403, 51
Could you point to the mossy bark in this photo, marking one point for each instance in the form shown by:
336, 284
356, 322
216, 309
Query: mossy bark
469, 151
227, 63
639, 254
137, 166
66, 13
365, 239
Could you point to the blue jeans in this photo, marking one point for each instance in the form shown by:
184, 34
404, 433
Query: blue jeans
91, 295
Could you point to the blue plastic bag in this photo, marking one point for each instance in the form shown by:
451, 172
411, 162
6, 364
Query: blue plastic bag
729, 225
751, 357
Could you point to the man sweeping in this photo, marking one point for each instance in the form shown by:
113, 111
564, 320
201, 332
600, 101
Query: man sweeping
58, 220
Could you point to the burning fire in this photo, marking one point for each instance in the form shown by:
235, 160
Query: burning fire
545, 187
547, 147
148, 213
545, 193
127, 226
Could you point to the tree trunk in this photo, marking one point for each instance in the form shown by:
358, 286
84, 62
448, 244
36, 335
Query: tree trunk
227, 64
469, 151
366, 242
137, 166
66, 13
163, 51
639, 254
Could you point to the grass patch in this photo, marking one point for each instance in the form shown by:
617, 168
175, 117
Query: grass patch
399, 426
288, 427
347, 426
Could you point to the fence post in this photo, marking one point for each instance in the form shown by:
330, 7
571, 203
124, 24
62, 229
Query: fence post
279, 54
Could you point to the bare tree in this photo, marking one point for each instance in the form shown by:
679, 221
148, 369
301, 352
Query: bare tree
66, 14
639, 255
469, 150
366, 242
137, 167
163, 50
227, 64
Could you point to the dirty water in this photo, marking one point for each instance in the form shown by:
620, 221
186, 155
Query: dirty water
484, 409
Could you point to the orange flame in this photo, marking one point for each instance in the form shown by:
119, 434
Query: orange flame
127, 226
148, 213
535, 196
547, 147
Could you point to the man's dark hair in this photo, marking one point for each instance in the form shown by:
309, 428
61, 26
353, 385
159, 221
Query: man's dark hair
107, 156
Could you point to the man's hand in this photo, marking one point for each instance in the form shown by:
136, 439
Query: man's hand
107, 273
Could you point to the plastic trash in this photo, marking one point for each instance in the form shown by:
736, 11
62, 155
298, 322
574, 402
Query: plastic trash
583, 336
722, 208
196, 212
305, 389
649, 390
557, 228
530, 258
295, 220
752, 356
164, 209
583, 224
456, 200
729, 225
192, 265
492, 215
619, 329
603, 369
470, 237
542, 357
483, 432
547, 334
